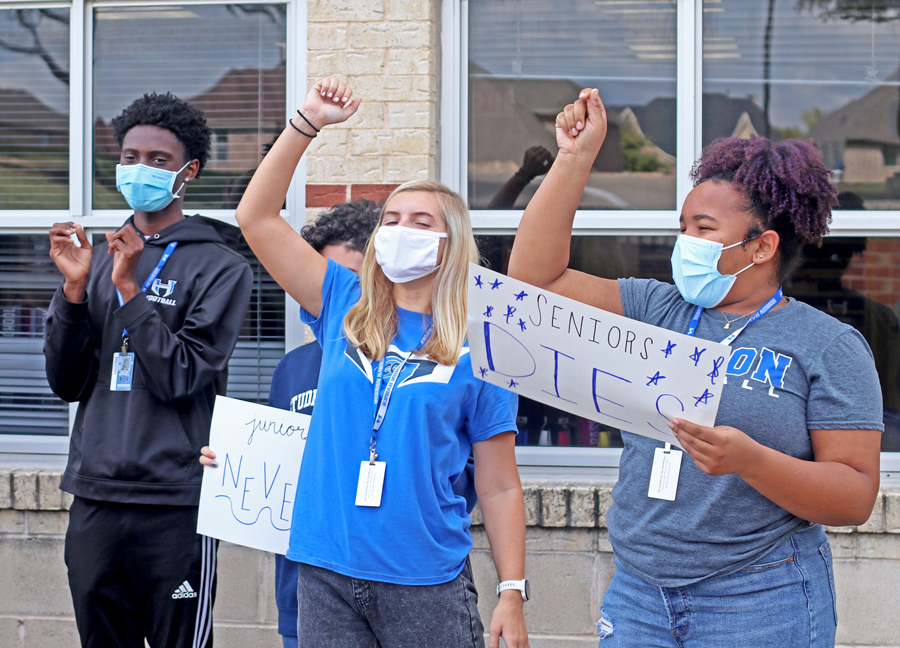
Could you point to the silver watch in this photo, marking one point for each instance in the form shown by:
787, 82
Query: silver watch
521, 585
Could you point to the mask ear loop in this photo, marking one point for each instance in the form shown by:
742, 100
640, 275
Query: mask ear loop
740, 271
175, 194
745, 241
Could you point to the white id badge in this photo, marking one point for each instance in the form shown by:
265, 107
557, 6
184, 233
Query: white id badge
122, 372
664, 475
371, 483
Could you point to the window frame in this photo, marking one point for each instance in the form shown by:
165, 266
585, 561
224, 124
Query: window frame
453, 163
99, 221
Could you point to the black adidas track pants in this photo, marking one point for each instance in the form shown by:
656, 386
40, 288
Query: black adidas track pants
139, 571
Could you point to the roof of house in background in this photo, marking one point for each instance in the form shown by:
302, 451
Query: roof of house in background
722, 116
21, 110
872, 118
243, 98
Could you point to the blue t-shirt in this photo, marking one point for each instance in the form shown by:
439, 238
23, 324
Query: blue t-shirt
420, 533
793, 370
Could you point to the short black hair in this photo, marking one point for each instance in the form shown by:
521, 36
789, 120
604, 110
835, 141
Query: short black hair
348, 224
167, 111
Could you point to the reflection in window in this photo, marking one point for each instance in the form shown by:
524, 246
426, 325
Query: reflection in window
851, 278
854, 280
825, 69
34, 108
228, 60
261, 343
28, 279
529, 58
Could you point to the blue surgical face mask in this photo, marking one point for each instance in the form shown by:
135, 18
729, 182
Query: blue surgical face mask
147, 189
695, 268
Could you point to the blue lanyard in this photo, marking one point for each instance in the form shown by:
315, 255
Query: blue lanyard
153, 275
765, 308
381, 409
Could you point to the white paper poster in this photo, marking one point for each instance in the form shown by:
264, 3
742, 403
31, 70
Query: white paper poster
248, 499
589, 362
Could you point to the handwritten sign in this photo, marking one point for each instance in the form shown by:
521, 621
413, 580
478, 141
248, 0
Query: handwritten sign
248, 499
592, 363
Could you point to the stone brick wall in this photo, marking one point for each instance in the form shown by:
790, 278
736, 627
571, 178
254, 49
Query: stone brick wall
387, 50
569, 564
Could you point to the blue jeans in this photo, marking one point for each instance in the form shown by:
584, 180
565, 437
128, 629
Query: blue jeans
784, 599
289, 642
337, 611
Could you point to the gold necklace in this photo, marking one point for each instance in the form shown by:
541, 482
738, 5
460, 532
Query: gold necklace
729, 322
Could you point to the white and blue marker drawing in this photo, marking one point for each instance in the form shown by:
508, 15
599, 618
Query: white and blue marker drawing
593, 363
249, 498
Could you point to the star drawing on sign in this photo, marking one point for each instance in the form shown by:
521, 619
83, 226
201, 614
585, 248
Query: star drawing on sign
521, 296
510, 311
496, 283
483, 371
715, 371
478, 283
489, 311
703, 398
655, 379
522, 324
668, 349
513, 383
695, 356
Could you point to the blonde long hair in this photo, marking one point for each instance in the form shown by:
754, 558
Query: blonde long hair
372, 322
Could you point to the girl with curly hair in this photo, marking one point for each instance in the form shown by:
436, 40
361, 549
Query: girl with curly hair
739, 557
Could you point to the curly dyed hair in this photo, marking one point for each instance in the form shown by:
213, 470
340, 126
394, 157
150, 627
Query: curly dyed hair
347, 224
167, 111
786, 186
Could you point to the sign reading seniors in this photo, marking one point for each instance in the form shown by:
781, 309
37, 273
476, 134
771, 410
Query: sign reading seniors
249, 498
590, 362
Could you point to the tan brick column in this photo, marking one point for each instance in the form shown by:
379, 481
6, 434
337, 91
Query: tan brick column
388, 51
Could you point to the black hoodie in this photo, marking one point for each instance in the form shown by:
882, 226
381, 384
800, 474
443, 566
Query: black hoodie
142, 446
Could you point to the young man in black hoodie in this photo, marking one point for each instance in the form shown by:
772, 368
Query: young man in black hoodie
156, 310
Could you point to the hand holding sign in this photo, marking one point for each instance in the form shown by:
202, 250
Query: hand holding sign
719, 450
590, 362
248, 498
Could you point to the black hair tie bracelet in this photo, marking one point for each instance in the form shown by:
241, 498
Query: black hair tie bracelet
307, 121
294, 126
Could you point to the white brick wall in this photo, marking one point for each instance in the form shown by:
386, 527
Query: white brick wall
388, 51
569, 563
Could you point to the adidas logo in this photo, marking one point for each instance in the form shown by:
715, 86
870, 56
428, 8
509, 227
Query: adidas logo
184, 591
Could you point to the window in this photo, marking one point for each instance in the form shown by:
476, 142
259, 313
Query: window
820, 69
675, 76
34, 108
28, 279
228, 60
529, 58
261, 342
58, 157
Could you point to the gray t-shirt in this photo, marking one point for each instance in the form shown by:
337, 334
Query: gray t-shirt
793, 370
